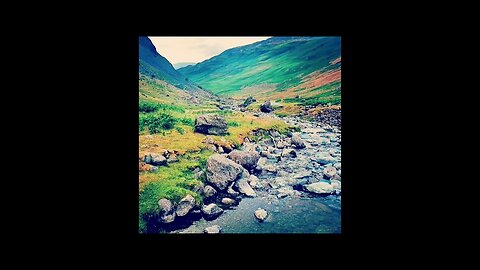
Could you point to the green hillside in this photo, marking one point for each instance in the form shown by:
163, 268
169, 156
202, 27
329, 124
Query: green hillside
277, 64
156, 66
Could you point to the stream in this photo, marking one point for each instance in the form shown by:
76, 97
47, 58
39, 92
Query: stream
298, 211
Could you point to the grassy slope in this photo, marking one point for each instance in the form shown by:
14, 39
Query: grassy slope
282, 64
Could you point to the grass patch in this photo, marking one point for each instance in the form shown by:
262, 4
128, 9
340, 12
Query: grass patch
173, 182
155, 122
232, 124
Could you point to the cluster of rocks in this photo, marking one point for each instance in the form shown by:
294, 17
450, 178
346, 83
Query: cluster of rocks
330, 116
249, 100
274, 165
306, 161
228, 179
151, 161
221, 146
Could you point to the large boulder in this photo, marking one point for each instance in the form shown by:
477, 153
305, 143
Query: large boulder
248, 101
155, 159
287, 152
321, 188
185, 205
211, 124
221, 171
167, 215
266, 107
248, 159
211, 211
297, 141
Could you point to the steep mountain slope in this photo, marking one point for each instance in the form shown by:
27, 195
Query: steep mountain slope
160, 82
152, 64
279, 67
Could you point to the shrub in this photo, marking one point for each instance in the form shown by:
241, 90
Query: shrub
186, 121
148, 107
232, 124
156, 122
180, 130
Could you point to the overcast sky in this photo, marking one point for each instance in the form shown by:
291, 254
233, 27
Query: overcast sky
197, 49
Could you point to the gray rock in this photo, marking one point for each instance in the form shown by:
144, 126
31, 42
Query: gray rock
200, 175
211, 124
185, 205
167, 218
155, 159
264, 154
221, 171
261, 163
297, 141
212, 147
209, 140
320, 188
325, 159
211, 211
231, 191
167, 215
228, 201
172, 158
287, 191
248, 101
248, 159
199, 188
302, 174
165, 205
323, 141
270, 168
213, 229
313, 130
329, 171
336, 185
288, 152
281, 144
209, 191
244, 188
253, 180
279, 182
266, 107
261, 214
220, 150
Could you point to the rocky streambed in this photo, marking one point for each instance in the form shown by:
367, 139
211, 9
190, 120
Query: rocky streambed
279, 183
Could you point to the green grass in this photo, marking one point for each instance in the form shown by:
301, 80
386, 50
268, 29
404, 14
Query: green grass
172, 182
329, 93
282, 63
155, 123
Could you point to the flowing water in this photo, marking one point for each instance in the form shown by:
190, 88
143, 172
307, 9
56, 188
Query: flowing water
300, 213
287, 215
